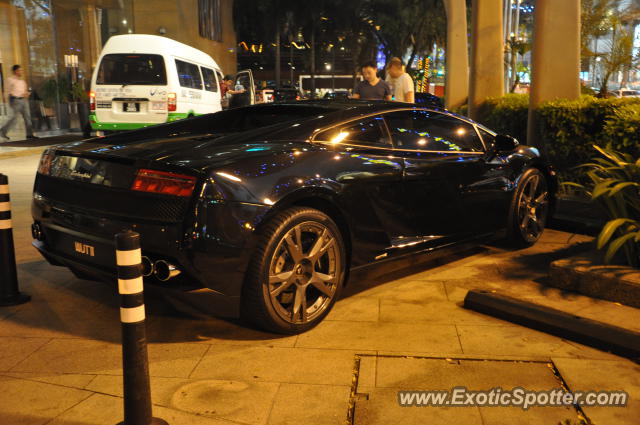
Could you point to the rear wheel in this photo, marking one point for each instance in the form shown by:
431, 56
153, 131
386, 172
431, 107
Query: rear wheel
296, 273
529, 209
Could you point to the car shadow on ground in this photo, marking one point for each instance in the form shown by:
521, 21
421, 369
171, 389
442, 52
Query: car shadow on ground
65, 306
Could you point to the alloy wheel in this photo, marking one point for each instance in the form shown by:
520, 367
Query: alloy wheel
304, 272
533, 207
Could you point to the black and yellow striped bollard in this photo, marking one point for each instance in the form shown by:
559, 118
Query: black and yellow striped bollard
9, 292
135, 364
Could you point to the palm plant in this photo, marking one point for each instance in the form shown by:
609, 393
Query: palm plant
614, 183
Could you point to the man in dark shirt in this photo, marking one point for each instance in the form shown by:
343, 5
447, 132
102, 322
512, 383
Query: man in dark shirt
372, 88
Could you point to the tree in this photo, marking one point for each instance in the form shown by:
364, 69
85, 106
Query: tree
600, 18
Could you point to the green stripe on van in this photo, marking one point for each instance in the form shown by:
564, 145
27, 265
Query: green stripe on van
97, 125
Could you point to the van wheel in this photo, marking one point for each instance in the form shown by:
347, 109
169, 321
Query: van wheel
296, 273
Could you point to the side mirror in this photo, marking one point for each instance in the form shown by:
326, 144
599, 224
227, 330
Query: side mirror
501, 143
504, 143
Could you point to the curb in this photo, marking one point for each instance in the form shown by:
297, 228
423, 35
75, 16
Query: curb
585, 331
583, 275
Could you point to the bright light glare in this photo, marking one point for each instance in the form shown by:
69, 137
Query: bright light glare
340, 137
229, 176
460, 131
422, 142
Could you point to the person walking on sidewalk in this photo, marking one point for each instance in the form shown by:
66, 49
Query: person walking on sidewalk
18, 94
401, 82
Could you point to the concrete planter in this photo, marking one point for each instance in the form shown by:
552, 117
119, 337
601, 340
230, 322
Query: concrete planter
585, 274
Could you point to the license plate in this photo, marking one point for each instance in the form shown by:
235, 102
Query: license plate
131, 107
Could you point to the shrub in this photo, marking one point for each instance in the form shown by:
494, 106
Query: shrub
506, 115
614, 184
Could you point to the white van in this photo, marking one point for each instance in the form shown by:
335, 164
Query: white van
142, 80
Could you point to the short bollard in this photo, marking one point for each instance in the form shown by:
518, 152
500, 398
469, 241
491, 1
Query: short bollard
137, 389
9, 292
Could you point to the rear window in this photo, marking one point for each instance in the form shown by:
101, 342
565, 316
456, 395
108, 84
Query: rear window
134, 69
188, 75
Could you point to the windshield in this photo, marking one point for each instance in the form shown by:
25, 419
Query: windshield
137, 69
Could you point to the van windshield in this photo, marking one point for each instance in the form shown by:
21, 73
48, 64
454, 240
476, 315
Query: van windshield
136, 69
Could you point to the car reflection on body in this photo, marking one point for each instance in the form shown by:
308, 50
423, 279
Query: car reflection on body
271, 206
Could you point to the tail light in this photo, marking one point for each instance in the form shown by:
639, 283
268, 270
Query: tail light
45, 162
164, 182
172, 102
92, 100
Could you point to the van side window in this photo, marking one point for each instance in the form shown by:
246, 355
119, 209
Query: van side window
209, 78
188, 75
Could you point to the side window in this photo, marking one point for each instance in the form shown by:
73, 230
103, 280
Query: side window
188, 75
209, 79
243, 82
365, 132
432, 131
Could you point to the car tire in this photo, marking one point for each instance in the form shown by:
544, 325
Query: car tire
529, 209
296, 272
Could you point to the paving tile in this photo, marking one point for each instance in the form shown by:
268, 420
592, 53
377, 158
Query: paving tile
381, 336
102, 409
95, 357
604, 375
72, 380
358, 308
533, 415
241, 401
13, 350
26, 402
277, 364
436, 312
382, 407
310, 404
182, 328
367, 371
521, 341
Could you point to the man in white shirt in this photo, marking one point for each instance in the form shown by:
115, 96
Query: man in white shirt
18, 94
401, 83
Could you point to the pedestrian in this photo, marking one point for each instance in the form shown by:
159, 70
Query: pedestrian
18, 94
400, 82
230, 99
372, 88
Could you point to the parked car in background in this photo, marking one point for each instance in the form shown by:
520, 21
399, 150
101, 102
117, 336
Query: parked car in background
428, 99
271, 206
285, 94
337, 95
624, 93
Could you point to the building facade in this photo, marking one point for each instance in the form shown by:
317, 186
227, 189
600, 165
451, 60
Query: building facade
58, 42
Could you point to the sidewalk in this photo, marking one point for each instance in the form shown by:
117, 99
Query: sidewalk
60, 360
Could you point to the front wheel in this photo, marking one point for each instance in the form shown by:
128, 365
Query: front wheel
296, 273
529, 209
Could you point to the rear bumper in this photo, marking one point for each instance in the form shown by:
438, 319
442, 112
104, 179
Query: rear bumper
199, 300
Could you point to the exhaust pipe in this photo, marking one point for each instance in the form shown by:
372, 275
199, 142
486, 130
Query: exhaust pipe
165, 271
147, 266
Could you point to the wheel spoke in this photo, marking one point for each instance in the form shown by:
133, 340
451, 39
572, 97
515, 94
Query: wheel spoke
541, 199
533, 186
525, 221
286, 284
322, 244
299, 303
321, 286
294, 247
280, 277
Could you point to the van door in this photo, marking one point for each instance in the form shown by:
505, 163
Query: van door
245, 79
190, 93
